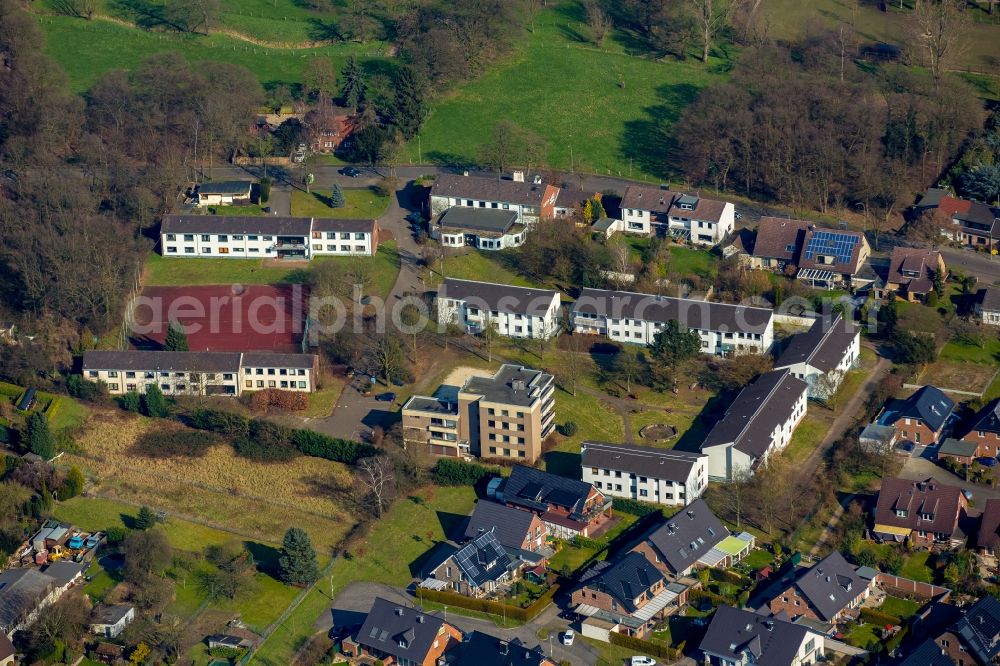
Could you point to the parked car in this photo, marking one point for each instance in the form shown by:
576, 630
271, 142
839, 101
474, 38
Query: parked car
567, 638
388, 396
351, 172
987, 462
642, 661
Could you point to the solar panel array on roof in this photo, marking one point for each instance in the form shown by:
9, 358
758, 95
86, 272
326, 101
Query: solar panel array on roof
831, 242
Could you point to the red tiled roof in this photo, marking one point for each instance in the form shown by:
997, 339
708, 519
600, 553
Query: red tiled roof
989, 531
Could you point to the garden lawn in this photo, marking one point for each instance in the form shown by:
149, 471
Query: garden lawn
862, 636
806, 437
87, 49
163, 271
987, 354
612, 655
480, 266
758, 559
548, 86
915, 567
263, 605
252, 210
359, 203
901, 608
280, 647
575, 556
688, 261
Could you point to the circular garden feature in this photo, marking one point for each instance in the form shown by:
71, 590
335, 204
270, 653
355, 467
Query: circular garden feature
658, 432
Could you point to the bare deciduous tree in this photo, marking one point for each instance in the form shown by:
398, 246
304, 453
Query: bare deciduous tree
488, 335
711, 16
939, 29
376, 477
598, 22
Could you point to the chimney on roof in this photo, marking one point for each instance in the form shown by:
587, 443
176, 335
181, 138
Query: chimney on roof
518, 385
769, 624
517, 176
503, 646
420, 619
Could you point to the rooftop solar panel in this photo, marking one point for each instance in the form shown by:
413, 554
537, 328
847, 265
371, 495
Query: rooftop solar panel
830, 242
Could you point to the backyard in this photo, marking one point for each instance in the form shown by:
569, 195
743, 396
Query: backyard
359, 203
64, 413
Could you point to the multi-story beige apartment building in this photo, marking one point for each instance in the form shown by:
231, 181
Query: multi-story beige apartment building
506, 415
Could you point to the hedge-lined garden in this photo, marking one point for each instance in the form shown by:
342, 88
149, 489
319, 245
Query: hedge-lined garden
490, 607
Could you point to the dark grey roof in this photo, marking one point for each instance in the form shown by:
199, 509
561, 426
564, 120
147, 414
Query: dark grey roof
535, 489
642, 460
823, 346
874, 432
268, 225
110, 614
334, 224
163, 361
701, 315
688, 535
569, 198
928, 653
928, 404
989, 299
626, 579
512, 385
479, 649
980, 629
425, 403
226, 187
388, 624
483, 559
499, 297
510, 525
643, 197
932, 197
754, 414
276, 360
478, 219
958, 447
830, 585
64, 572
20, 592
488, 189
771, 641
987, 419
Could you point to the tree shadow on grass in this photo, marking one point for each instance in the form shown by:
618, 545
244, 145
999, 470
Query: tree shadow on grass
649, 141
443, 158
430, 559
324, 31
265, 556
713, 410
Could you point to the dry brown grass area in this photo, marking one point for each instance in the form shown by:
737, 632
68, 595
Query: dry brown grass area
219, 487
972, 377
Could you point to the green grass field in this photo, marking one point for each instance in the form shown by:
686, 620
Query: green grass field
601, 111
957, 351
359, 203
481, 266
915, 567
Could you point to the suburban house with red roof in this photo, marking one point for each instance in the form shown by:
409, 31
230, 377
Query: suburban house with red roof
567, 507
968, 222
988, 539
926, 512
912, 271
816, 255
649, 210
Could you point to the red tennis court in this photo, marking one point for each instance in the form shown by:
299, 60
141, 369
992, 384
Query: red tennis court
222, 318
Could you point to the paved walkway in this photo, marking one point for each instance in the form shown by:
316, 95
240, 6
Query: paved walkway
831, 526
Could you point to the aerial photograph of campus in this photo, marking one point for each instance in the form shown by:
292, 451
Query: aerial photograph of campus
499, 332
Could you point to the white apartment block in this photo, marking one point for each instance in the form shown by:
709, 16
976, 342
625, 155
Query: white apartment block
200, 373
645, 474
636, 318
267, 237
822, 356
759, 422
515, 312
530, 201
648, 210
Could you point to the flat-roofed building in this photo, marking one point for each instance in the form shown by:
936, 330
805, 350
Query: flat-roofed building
225, 193
516, 312
644, 473
481, 228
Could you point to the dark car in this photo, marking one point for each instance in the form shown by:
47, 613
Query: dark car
987, 462
388, 396
350, 171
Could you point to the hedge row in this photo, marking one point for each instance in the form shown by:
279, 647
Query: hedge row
874, 616
451, 472
639, 509
264, 440
292, 401
493, 607
640, 645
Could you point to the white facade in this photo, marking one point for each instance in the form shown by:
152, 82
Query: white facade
706, 223
341, 244
823, 385
637, 221
541, 321
653, 489
526, 214
705, 232
113, 630
479, 241
237, 246
809, 651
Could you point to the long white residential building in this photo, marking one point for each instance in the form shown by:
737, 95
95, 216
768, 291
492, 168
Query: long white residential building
823, 355
516, 312
531, 202
200, 373
625, 316
649, 210
267, 237
643, 473
759, 422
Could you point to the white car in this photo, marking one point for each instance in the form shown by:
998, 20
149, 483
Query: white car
643, 661
567, 638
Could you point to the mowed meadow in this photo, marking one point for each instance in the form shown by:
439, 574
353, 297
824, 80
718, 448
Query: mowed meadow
254, 499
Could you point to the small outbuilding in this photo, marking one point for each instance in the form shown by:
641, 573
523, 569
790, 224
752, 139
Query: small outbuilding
110, 621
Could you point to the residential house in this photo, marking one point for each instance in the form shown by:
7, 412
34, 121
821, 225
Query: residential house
7, 651
988, 537
267, 237
823, 355
568, 507
110, 621
480, 649
24, 593
957, 449
830, 592
648, 210
571, 200
926, 512
636, 318
984, 430
970, 223
927, 654
515, 312
987, 306
481, 228
921, 418
328, 127
758, 423
819, 256
644, 473
515, 529
479, 568
506, 415
912, 272
532, 201
679, 543
200, 373
399, 635
224, 193
738, 637
631, 592
975, 638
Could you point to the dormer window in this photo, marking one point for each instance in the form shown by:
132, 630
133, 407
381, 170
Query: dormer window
902, 513
927, 516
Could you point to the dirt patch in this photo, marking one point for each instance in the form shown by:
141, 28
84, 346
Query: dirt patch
658, 432
462, 374
958, 376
